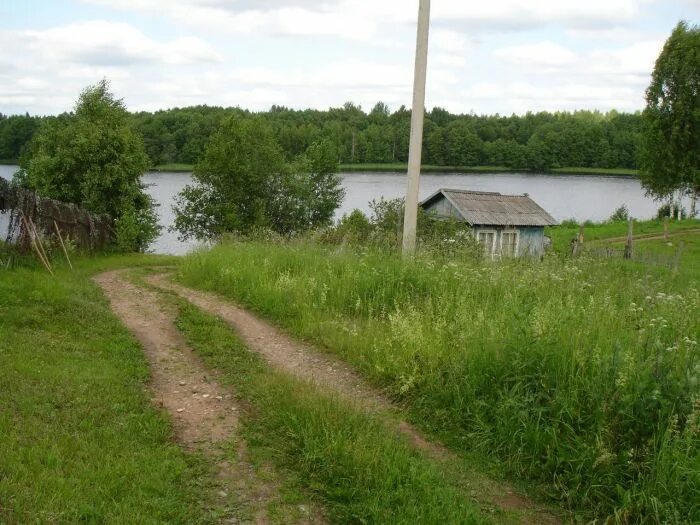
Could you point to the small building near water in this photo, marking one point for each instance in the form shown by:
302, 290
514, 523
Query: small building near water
506, 225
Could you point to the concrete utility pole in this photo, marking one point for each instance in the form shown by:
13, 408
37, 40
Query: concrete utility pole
417, 116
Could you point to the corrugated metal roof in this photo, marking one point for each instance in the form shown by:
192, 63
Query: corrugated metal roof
485, 208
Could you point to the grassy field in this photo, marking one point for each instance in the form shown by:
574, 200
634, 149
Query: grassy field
688, 244
174, 167
583, 374
393, 167
79, 439
615, 172
480, 169
358, 470
562, 235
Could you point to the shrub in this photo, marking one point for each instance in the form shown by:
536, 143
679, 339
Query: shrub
666, 211
621, 214
569, 223
437, 237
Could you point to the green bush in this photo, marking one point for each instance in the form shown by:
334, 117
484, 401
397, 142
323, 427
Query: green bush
94, 158
383, 230
244, 183
621, 214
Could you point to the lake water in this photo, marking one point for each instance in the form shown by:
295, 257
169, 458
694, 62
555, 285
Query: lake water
563, 196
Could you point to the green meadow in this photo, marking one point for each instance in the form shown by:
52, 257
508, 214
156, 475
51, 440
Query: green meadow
576, 379
579, 374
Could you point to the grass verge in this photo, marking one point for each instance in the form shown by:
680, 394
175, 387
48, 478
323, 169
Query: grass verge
426, 168
401, 167
398, 167
79, 439
174, 168
611, 172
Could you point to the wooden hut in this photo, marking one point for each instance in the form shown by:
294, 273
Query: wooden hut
506, 225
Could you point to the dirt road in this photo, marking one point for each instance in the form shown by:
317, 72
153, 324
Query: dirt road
204, 414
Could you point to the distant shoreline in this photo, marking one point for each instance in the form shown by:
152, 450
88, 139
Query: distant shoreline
390, 168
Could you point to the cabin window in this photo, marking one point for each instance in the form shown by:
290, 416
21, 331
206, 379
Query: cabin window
509, 243
487, 238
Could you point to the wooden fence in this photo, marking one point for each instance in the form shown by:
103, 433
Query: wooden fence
85, 230
670, 261
629, 251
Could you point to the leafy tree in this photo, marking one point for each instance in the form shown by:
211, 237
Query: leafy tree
308, 193
15, 134
670, 158
93, 157
233, 181
380, 113
244, 182
582, 138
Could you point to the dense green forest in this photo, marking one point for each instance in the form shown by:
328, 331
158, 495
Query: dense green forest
537, 141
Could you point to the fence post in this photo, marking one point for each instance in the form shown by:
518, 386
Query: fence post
677, 259
628, 245
577, 242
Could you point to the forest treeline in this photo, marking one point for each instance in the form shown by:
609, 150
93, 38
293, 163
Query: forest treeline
536, 141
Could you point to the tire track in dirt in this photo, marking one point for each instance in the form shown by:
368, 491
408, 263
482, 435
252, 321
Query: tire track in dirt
335, 377
204, 414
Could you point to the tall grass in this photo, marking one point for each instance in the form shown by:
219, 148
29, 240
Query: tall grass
580, 374
361, 473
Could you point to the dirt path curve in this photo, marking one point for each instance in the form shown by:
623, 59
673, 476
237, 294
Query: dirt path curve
644, 237
204, 413
335, 377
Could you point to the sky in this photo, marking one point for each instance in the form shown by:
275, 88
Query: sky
486, 56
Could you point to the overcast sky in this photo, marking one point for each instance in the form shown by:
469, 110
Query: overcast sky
486, 56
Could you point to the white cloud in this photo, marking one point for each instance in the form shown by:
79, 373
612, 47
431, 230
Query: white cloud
496, 56
47, 69
549, 76
541, 54
101, 43
363, 19
525, 96
449, 48
545, 59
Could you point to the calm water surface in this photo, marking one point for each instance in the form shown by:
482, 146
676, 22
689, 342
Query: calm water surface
564, 196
